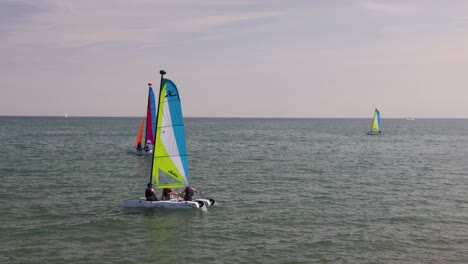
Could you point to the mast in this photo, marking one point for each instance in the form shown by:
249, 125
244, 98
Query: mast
147, 111
162, 72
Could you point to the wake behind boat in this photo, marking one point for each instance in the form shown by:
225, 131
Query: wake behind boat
375, 129
150, 119
169, 168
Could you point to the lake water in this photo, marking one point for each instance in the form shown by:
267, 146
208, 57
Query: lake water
289, 191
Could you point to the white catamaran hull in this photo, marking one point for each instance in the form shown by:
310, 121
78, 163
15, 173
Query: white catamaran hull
374, 133
172, 204
207, 202
140, 153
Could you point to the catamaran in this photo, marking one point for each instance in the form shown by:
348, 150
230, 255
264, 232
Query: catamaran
375, 129
169, 168
150, 119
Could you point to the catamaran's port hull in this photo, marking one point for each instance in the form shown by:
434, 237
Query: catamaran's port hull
141, 202
140, 153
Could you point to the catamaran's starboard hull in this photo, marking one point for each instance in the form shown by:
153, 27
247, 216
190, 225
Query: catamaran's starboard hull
207, 202
141, 202
140, 153
374, 133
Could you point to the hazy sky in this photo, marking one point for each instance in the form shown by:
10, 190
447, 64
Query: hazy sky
236, 58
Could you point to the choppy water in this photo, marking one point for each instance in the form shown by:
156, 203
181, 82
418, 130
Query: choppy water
289, 191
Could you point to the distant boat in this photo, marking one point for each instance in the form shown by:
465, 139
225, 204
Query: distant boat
410, 119
169, 168
375, 129
150, 119
66, 115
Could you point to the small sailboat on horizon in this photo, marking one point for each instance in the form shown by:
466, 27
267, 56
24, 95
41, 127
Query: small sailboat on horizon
169, 167
375, 128
150, 119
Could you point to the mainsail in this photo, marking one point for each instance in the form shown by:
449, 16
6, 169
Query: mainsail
150, 117
376, 122
140, 133
170, 160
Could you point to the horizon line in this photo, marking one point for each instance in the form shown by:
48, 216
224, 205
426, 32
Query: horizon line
238, 117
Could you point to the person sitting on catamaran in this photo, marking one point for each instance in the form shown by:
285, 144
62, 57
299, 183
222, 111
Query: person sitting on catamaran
138, 148
146, 148
150, 193
166, 194
189, 192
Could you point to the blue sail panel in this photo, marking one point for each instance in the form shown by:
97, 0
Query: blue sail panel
175, 108
378, 119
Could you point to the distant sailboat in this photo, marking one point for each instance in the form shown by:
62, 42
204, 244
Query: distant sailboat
169, 168
66, 115
150, 121
375, 129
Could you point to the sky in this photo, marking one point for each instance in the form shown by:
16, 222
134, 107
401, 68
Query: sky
236, 58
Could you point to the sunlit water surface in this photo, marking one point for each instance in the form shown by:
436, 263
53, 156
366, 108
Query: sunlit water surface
289, 191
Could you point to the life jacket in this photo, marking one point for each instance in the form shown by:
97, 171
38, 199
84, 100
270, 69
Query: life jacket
150, 195
188, 194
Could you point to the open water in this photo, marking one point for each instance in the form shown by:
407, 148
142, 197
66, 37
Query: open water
289, 191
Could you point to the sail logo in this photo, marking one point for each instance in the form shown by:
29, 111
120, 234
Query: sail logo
173, 174
171, 93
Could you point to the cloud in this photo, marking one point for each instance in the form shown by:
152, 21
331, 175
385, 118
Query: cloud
395, 9
68, 24
204, 23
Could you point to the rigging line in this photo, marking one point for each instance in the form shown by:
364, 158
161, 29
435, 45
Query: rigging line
201, 194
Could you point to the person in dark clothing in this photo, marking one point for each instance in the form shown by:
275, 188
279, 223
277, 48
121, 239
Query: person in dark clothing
188, 193
146, 148
150, 193
166, 194
138, 148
